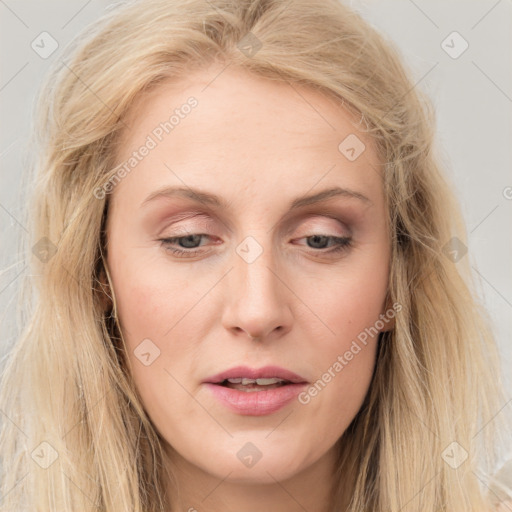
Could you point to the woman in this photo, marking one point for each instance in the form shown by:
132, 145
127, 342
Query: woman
248, 296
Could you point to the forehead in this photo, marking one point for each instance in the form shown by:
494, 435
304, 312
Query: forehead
242, 131
248, 100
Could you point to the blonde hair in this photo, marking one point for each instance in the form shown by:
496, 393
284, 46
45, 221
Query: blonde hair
437, 387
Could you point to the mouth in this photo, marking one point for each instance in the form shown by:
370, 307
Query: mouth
252, 385
247, 379
255, 392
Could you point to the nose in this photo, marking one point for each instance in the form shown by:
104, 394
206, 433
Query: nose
257, 297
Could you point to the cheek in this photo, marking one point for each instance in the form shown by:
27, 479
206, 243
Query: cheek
150, 299
153, 317
347, 304
150, 304
349, 308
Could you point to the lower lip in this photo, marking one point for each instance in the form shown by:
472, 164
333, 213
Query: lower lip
256, 403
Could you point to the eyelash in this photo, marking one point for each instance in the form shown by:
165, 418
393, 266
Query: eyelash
341, 244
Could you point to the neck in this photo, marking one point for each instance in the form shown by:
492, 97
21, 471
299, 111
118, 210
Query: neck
196, 490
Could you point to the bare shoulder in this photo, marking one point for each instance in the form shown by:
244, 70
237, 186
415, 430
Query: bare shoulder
501, 489
504, 506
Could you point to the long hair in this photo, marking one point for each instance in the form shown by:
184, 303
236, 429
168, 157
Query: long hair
74, 432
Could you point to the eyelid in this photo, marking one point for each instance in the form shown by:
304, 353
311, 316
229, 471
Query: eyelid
311, 225
201, 224
204, 222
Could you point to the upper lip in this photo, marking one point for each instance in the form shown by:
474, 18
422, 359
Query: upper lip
267, 372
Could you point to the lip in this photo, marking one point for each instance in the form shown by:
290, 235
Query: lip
267, 372
256, 403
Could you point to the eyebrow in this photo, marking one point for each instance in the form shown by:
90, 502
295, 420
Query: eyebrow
217, 202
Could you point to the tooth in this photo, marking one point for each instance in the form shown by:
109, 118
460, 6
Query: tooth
266, 382
260, 382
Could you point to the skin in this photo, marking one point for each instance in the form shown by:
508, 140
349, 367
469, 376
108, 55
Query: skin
258, 144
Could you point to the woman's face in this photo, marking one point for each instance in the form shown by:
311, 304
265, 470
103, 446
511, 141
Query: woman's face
239, 180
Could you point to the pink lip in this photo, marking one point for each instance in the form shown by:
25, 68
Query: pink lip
256, 403
267, 372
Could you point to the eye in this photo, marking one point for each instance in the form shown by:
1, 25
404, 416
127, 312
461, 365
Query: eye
188, 244
338, 243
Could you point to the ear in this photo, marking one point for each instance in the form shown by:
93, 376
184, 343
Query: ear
105, 293
388, 315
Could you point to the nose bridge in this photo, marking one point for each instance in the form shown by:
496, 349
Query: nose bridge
254, 279
253, 266
257, 302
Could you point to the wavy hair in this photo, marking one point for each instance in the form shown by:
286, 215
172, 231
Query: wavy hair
74, 433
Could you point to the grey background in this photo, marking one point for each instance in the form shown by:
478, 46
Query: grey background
472, 95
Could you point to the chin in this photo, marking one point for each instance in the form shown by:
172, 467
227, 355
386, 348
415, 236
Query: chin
260, 462
263, 472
